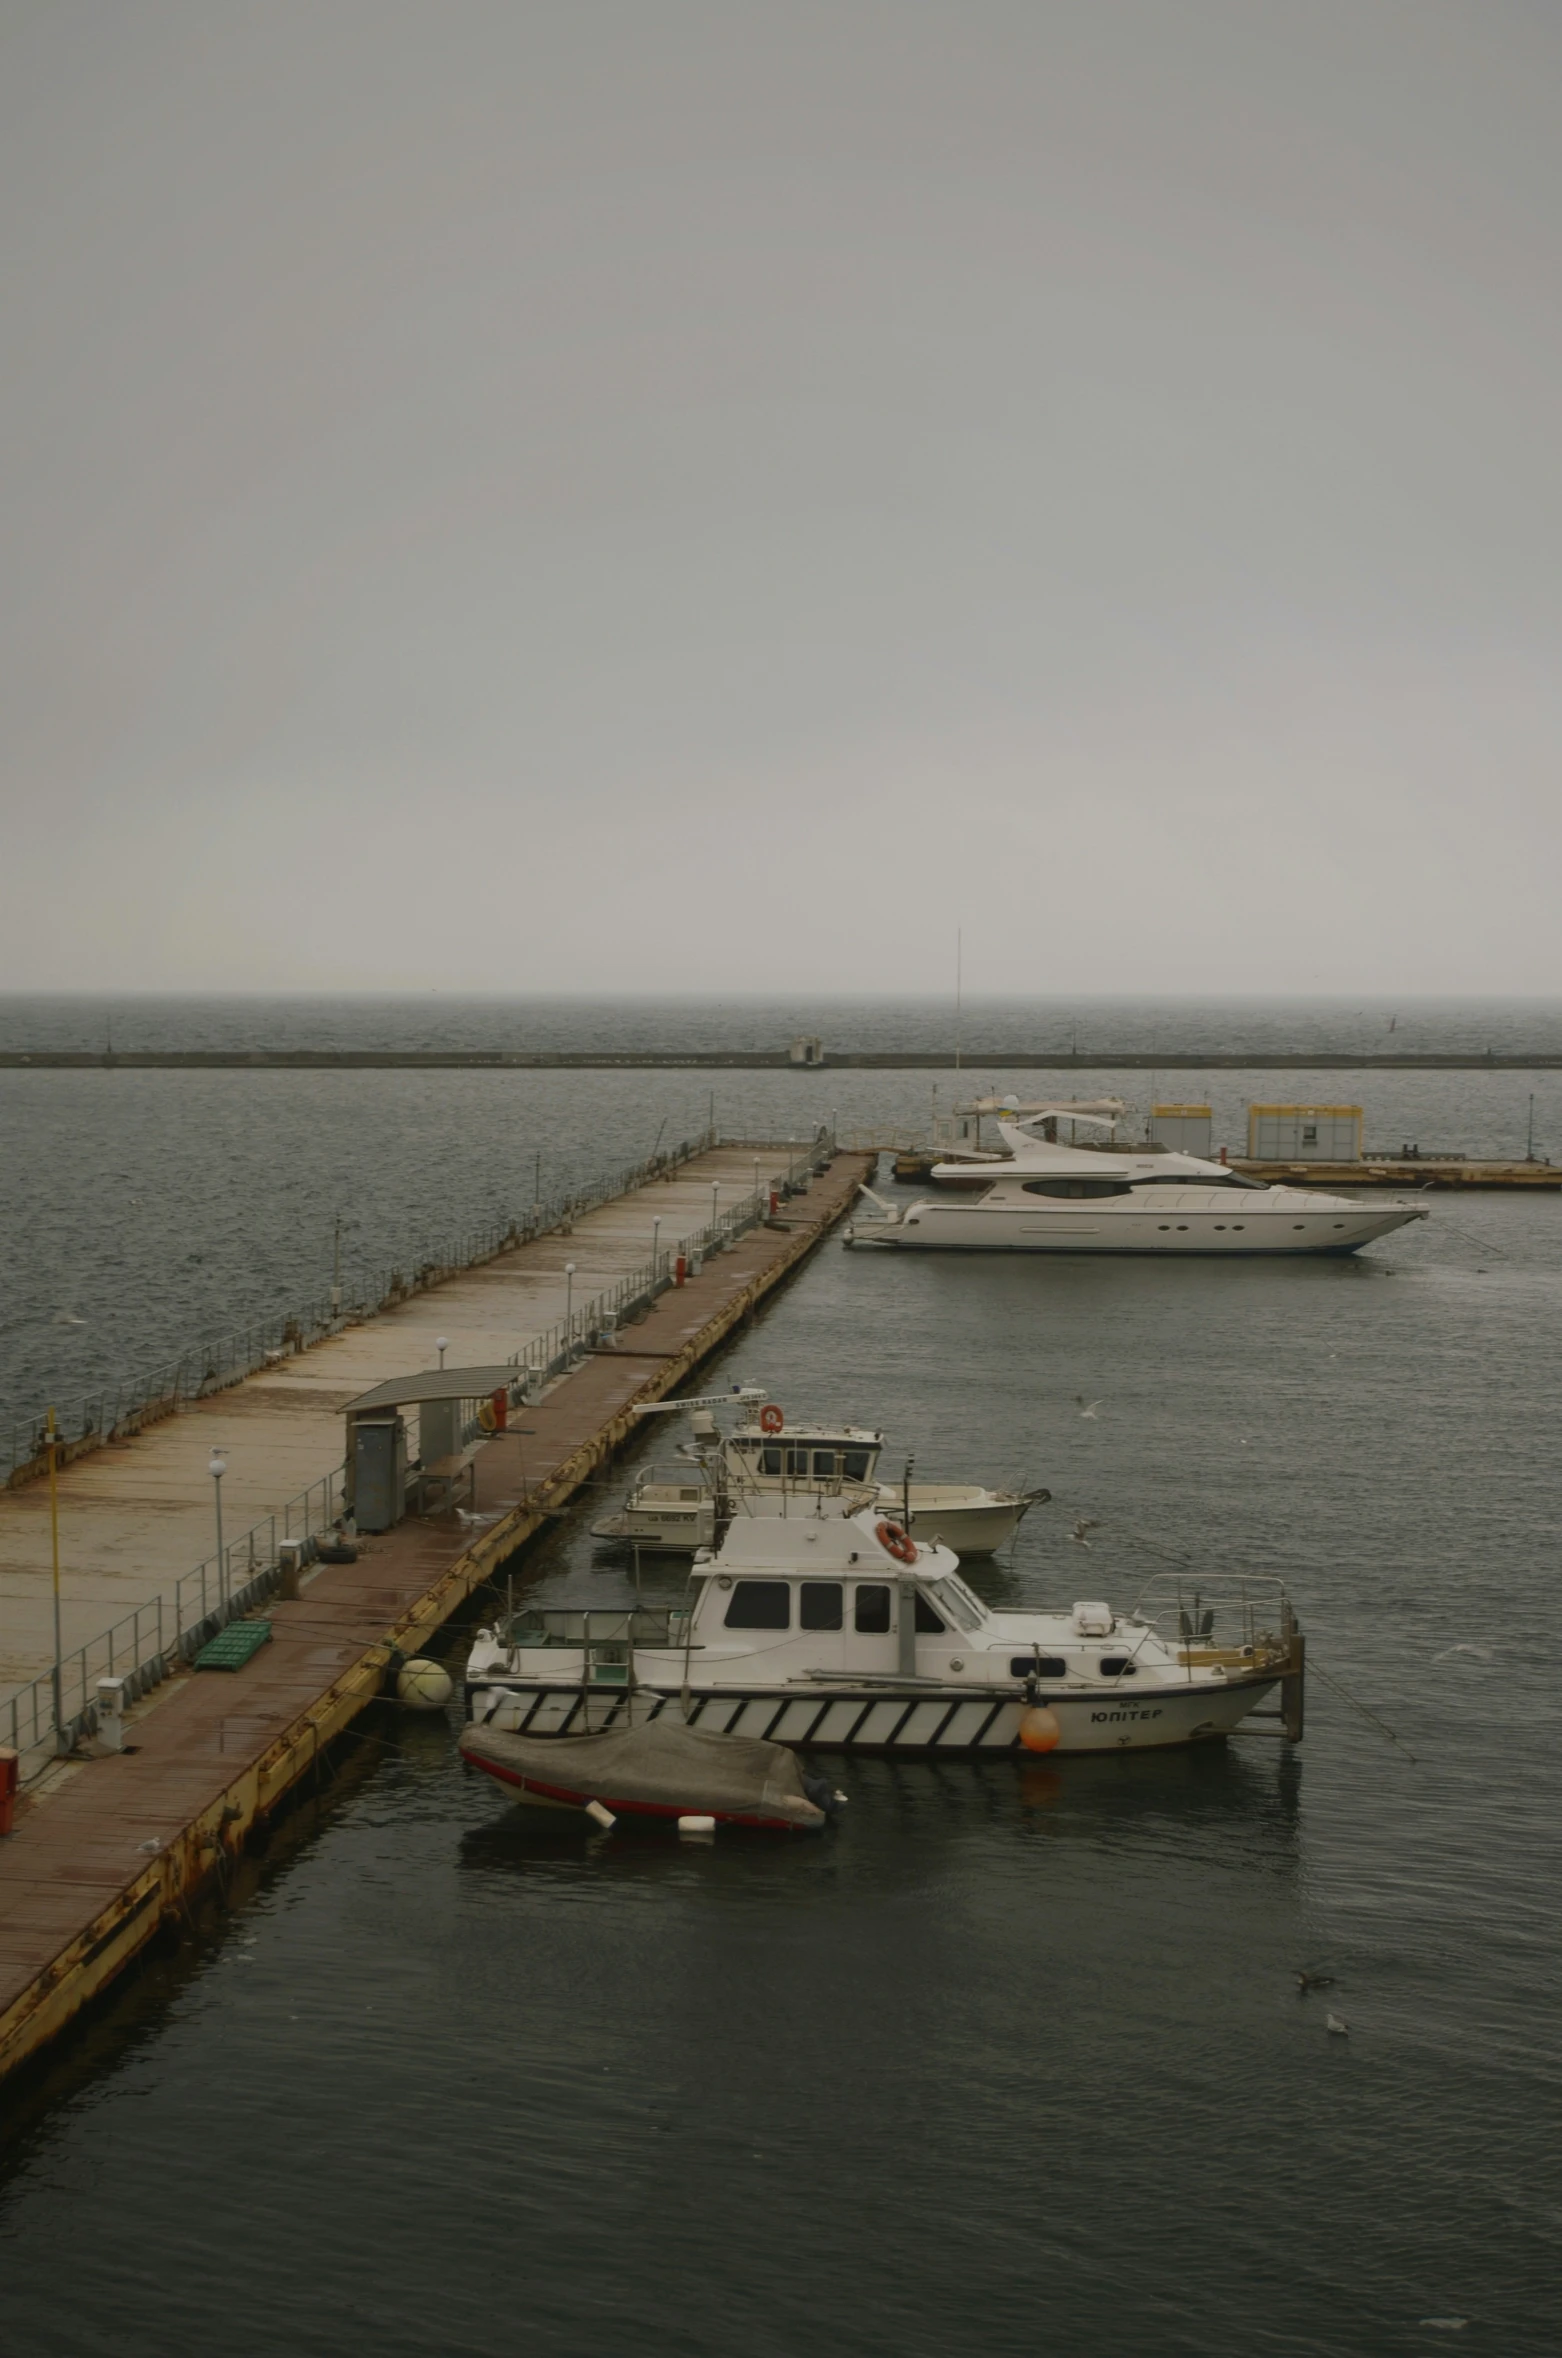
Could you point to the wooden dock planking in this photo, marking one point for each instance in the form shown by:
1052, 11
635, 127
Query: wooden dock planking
81, 1893
136, 1515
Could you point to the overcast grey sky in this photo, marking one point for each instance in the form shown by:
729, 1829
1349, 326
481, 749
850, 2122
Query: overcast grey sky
658, 494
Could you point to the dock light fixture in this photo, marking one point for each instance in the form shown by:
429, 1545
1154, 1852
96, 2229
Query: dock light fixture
217, 1466
441, 1345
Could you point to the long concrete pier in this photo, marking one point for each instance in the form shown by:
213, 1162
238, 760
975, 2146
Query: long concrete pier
971, 1060
106, 1849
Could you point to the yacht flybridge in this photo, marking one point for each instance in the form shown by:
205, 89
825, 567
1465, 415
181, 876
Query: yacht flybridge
839, 1631
772, 1464
1051, 1198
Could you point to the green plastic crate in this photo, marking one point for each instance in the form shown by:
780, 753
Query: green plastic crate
232, 1647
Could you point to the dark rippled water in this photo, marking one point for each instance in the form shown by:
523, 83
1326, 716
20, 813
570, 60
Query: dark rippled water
1014, 2057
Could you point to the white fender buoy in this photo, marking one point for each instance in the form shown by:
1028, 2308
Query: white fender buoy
1040, 1730
603, 1816
696, 1825
423, 1685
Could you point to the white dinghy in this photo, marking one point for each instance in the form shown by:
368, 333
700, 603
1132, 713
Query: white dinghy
840, 1631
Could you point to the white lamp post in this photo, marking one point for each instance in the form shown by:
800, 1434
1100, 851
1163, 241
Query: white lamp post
217, 1466
569, 1305
656, 1250
441, 1345
715, 1195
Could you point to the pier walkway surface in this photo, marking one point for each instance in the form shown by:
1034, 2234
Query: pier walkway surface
137, 1514
105, 1849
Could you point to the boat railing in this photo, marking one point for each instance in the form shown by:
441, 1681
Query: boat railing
1214, 1618
592, 1626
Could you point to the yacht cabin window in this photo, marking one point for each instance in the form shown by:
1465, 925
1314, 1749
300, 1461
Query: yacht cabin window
855, 1464
824, 1465
760, 1604
929, 1623
797, 1462
1078, 1187
819, 1604
770, 1461
872, 1608
1037, 1666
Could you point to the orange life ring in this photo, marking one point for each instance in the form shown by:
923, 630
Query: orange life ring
897, 1541
771, 1418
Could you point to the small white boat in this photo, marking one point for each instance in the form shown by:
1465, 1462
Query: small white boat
1068, 1199
770, 1465
839, 1631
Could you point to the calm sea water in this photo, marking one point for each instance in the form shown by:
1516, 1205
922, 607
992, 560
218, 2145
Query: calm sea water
1014, 2056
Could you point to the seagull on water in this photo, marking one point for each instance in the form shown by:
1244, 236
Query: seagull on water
1084, 1409
1483, 1653
1314, 1981
1085, 1523
1336, 2026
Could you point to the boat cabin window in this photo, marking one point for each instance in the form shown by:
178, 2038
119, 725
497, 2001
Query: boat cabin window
797, 1462
872, 1608
824, 1465
1078, 1187
929, 1623
770, 1461
1037, 1666
760, 1604
856, 1464
1118, 1666
819, 1604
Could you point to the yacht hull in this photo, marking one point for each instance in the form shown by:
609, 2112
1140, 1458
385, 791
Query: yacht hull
878, 1717
946, 1227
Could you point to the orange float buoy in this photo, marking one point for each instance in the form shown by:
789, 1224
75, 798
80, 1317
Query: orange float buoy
771, 1418
1039, 1729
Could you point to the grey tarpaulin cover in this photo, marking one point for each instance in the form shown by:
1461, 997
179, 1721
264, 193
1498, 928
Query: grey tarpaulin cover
662, 1767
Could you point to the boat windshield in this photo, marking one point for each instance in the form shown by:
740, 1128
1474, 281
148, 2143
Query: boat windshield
958, 1602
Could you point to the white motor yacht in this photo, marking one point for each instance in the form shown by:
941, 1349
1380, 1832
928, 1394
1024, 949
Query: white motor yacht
769, 1464
1069, 1199
840, 1631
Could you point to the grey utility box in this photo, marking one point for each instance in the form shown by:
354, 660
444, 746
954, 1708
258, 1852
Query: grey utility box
1304, 1133
439, 1430
379, 1471
1182, 1129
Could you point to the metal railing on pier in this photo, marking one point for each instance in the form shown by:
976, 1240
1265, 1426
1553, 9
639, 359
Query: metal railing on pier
127, 1406
168, 1630
164, 1632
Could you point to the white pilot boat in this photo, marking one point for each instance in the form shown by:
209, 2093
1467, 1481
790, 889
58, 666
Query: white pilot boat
770, 1465
1068, 1199
839, 1631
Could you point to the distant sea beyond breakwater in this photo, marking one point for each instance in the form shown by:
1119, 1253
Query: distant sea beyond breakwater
974, 1060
